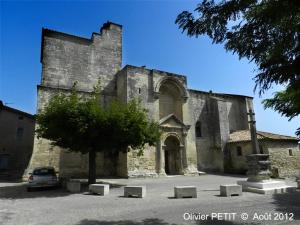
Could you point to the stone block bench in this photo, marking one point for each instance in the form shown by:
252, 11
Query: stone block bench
74, 186
185, 192
100, 189
230, 190
135, 191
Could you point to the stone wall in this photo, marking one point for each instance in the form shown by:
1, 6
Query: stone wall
287, 166
282, 164
219, 114
142, 166
200, 111
237, 163
66, 58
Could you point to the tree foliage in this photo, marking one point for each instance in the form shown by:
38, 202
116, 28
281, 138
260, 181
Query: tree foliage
266, 32
82, 125
287, 102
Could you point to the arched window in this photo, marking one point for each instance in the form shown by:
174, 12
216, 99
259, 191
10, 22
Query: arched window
239, 151
198, 129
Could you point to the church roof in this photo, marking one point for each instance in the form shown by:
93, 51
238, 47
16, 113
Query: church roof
244, 136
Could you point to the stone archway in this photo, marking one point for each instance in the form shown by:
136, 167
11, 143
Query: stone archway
170, 100
172, 156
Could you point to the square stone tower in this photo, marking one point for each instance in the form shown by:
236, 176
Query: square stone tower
67, 59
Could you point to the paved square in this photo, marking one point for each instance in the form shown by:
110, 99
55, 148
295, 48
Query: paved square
18, 207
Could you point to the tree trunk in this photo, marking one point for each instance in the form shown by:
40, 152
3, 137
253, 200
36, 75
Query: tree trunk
92, 167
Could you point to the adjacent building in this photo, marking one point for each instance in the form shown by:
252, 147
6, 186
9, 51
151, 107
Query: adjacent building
283, 150
16, 141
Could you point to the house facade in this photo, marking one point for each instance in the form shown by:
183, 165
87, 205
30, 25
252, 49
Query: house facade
16, 142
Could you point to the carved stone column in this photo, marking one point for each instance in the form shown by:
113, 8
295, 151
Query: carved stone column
184, 157
181, 155
258, 167
258, 164
160, 159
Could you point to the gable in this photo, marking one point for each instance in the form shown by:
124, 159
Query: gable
171, 121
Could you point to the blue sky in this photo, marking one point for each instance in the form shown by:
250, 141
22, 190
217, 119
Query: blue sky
150, 37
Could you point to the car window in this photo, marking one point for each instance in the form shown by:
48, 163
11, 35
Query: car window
44, 172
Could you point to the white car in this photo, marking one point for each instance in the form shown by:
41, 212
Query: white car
42, 177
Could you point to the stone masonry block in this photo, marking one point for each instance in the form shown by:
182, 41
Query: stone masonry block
100, 189
230, 190
135, 191
185, 192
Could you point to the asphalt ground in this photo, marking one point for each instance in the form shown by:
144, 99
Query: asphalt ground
159, 207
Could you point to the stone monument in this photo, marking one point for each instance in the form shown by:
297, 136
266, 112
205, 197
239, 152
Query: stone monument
259, 175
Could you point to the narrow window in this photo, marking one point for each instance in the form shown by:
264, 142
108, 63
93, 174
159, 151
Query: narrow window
239, 151
290, 152
261, 150
20, 132
139, 90
198, 129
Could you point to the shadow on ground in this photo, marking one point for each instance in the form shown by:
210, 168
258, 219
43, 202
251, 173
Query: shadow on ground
156, 221
150, 221
211, 221
226, 174
288, 203
19, 191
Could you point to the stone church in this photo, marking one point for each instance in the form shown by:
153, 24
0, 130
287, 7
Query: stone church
195, 125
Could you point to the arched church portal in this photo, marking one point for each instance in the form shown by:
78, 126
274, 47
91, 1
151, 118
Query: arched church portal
172, 156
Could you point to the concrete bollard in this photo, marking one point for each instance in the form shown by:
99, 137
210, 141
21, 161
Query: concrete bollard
135, 191
185, 192
100, 189
230, 190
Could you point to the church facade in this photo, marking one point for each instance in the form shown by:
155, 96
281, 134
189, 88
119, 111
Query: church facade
195, 125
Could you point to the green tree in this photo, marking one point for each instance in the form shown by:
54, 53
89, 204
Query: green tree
80, 124
266, 32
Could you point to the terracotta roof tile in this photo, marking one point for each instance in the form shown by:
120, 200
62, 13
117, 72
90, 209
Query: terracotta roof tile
244, 135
